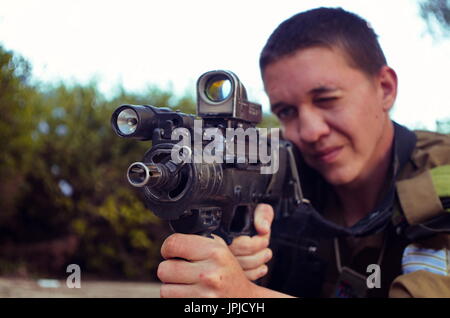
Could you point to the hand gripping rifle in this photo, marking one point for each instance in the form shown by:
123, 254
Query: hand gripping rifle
200, 184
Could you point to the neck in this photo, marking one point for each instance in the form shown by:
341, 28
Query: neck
358, 198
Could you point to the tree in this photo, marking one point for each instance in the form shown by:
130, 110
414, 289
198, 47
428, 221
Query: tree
64, 198
17, 123
436, 14
63, 193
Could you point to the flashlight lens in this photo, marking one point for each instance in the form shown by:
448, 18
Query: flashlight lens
218, 88
127, 121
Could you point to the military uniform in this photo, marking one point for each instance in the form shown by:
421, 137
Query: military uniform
407, 235
422, 185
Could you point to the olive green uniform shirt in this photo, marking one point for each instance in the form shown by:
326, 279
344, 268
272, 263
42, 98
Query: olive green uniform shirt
418, 201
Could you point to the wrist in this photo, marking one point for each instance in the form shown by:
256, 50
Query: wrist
257, 291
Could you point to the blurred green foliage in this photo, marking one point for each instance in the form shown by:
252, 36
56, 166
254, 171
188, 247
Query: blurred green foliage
64, 198
436, 14
63, 193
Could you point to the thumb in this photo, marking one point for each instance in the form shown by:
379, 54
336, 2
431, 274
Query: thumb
263, 218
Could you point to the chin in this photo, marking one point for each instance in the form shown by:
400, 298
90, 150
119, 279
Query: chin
337, 178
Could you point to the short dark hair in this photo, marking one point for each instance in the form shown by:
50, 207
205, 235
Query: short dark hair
328, 27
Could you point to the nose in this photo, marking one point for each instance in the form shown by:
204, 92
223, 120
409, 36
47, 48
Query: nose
312, 125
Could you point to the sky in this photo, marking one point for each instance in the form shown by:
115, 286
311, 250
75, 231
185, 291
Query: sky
170, 43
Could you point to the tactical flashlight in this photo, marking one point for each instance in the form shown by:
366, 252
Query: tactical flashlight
134, 121
140, 121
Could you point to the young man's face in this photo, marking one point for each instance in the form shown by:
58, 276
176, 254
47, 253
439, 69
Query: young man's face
334, 113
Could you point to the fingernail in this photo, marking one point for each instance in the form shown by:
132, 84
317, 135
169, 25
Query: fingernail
264, 270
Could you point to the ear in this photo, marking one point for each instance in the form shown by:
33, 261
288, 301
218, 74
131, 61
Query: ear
387, 79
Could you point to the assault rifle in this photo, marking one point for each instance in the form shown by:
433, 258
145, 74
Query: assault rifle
193, 177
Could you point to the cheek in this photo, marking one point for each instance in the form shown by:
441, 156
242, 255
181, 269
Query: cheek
290, 131
355, 118
359, 129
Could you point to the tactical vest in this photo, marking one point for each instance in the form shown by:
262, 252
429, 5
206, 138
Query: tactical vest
415, 207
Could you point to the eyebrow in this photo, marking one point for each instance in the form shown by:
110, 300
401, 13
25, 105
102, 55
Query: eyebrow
323, 89
317, 90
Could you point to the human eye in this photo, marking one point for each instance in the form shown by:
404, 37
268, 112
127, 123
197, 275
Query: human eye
326, 101
286, 113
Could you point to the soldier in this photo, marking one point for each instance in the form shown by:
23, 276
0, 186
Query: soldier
380, 191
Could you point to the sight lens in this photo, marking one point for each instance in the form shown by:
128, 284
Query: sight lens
218, 88
127, 121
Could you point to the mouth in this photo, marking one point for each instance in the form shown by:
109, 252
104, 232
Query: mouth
327, 155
